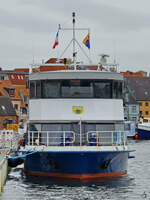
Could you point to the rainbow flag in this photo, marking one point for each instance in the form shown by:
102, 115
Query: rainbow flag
86, 41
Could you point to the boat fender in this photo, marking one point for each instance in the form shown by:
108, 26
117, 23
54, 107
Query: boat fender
136, 137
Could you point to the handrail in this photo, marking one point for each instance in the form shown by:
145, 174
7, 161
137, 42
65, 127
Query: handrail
110, 138
70, 138
50, 138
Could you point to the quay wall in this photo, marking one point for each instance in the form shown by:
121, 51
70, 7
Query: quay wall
8, 141
3, 172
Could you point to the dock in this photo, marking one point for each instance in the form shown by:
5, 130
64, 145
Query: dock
3, 169
8, 142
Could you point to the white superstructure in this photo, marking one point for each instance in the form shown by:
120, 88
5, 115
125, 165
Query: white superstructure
60, 108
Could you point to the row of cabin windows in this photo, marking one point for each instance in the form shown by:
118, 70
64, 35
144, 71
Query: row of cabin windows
86, 127
76, 89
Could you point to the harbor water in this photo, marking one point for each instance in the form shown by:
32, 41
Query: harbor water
134, 185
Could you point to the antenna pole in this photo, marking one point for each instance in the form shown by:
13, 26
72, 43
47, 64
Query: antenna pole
74, 40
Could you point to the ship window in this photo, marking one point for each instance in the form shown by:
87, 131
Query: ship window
35, 127
117, 90
105, 127
103, 89
77, 88
50, 89
32, 89
38, 89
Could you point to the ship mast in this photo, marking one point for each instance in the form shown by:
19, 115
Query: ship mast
74, 53
74, 41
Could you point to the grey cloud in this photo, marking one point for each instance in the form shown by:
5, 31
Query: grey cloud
24, 22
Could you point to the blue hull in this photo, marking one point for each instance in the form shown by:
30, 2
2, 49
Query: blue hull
143, 134
77, 164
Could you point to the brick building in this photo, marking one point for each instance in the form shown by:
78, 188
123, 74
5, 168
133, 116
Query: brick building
7, 112
13, 85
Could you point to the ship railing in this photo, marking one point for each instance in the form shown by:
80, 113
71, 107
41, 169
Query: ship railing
51, 138
70, 138
107, 138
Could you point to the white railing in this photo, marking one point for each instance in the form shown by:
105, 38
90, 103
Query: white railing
50, 138
70, 138
107, 138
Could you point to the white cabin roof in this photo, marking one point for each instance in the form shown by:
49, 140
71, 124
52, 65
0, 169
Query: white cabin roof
76, 74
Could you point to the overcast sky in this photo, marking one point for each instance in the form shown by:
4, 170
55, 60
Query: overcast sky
118, 28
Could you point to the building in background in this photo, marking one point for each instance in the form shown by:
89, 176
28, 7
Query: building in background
7, 112
134, 74
131, 106
140, 88
13, 85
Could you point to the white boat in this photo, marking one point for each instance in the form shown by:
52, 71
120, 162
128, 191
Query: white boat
76, 123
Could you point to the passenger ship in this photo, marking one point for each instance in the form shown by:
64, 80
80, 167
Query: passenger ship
76, 123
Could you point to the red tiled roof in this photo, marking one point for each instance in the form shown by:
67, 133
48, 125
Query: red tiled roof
18, 89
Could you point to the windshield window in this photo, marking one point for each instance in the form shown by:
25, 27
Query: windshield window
50, 88
103, 89
76, 88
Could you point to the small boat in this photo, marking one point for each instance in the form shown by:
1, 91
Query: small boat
76, 122
143, 131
